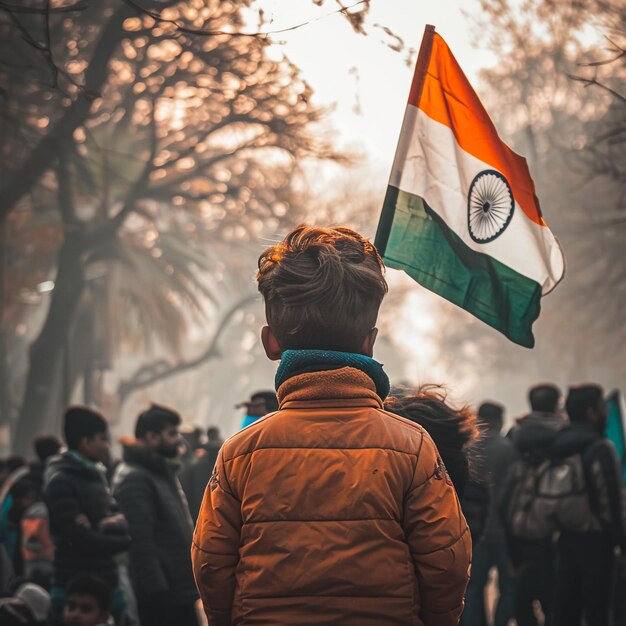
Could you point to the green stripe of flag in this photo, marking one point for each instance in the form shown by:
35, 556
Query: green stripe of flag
421, 244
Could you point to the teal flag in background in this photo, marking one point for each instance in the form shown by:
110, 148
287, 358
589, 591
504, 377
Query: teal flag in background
616, 427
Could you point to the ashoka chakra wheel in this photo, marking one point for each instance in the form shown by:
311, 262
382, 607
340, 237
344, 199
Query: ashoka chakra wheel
490, 206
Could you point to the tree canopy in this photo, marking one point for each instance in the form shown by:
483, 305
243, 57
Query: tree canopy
142, 144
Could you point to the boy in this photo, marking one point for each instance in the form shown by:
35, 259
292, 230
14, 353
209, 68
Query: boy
330, 510
88, 602
87, 529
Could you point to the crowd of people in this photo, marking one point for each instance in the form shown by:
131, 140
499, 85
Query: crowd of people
342, 500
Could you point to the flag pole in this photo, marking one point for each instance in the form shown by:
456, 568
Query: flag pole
421, 67
417, 85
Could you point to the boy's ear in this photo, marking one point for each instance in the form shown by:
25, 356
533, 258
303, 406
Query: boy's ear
270, 343
368, 343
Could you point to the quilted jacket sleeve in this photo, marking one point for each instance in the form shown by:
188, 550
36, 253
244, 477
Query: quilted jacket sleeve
64, 508
438, 538
215, 549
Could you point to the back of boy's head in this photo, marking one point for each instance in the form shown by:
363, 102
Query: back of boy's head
90, 585
156, 419
322, 289
81, 421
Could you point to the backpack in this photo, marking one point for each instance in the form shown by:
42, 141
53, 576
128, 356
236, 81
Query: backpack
546, 497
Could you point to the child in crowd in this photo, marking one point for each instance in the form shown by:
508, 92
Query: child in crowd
87, 529
88, 602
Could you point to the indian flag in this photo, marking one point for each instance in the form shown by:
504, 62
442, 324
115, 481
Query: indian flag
460, 215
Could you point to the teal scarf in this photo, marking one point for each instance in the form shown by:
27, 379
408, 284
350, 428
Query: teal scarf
96, 467
295, 362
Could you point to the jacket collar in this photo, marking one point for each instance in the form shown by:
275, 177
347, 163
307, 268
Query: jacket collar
553, 421
297, 362
343, 387
72, 460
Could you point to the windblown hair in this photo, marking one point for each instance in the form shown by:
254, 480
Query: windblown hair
452, 430
322, 288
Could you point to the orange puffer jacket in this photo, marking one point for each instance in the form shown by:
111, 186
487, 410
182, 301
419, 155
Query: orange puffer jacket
331, 511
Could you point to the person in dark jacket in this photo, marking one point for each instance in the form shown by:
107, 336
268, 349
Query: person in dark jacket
87, 528
260, 404
152, 500
195, 476
585, 557
533, 437
495, 455
46, 447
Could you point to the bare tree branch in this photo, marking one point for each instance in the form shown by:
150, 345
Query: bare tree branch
14, 8
46, 48
150, 374
588, 82
199, 31
620, 53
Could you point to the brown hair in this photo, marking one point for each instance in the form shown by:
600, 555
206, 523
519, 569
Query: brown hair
453, 430
322, 288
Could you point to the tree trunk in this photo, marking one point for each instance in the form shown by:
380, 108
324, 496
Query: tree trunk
46, 352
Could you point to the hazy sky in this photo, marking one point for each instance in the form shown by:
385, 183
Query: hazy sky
350, 70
